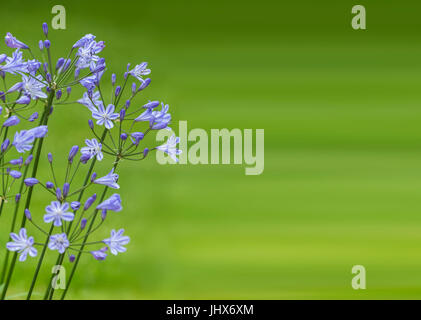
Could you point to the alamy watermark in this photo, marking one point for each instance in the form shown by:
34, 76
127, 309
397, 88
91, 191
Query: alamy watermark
222, 146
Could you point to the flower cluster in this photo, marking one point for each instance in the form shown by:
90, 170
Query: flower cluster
118, 127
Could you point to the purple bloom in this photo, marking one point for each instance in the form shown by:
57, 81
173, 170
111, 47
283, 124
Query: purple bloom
25, 99
12, 121
23, 139
15, 174
57, 212
47, 44
144, 84
170, 147
49, 185
145, 152
22, 244
105, 116
117, 241
100, 254
58, 194
93, 177
96, 98
157, 119
17, 197
93, 149
110, 180
30, 182
113, 203
75, 205
151, 105
15, 64
140, 70
59, 93
33, 87
84, 40
123, 136
72, 258
59, 242
12, 42
87, 52
33, 66
136, 137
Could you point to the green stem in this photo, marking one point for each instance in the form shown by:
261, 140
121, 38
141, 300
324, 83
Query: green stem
85, 239
45, 118
44, 248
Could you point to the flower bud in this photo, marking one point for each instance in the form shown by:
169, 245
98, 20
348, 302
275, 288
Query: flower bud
41, 45
117, 91
12, 121
30, 182
122, 114
58, 194
75, 205
84, 158
28, 214
68, 90
134, 88
151, 105
123, 136
145, 152
45, 28
15, 174
91, 124
29, 159
49, 185
93, 177
103, 214
47, 44
66, 188
60, 63
83, 223
113, 79
50, 157
5, 145
72, 258
16, 162
17, 197
33, 117
89, 202
72, 153
59, 93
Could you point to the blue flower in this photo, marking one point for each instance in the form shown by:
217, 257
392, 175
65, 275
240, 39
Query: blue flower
100, 254
15, 64
136, 137
93, 149
57, 212
117, 241
22, 244
140, 70
15, 174
105, 116
170, 147
157, 119
12, 42
87, 52
113, 203
59, 242
33, 87
96, 98
23, 139
110, 180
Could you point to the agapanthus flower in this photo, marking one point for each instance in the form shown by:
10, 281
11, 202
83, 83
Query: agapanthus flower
57, 212
15, 174
33, 66
15, 64
87, 52
113, 203
33, 87
100, 254
96, 98
157, 119
110, 180
170, 147
105, 116
93, 148
117, 241
22, 244
23, 139
12, 42
59, 242
140, 70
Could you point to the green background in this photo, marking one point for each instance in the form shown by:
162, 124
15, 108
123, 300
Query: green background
341, 114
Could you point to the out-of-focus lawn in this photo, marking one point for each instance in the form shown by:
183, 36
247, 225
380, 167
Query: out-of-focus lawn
342, 180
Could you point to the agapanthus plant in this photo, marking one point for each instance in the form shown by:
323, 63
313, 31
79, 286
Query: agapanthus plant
117, 128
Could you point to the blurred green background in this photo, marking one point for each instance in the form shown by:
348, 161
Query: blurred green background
342, 180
